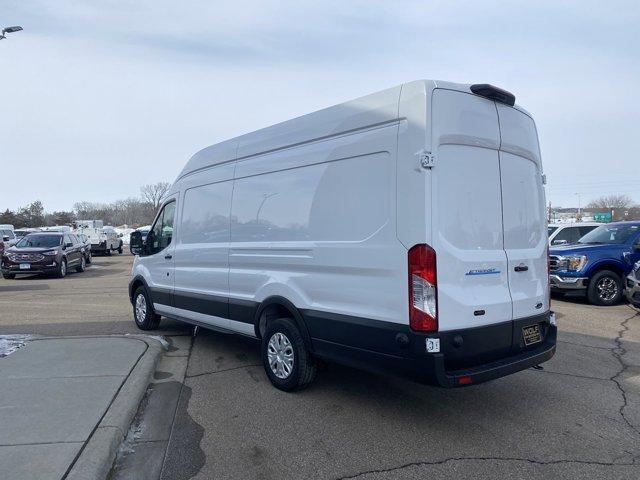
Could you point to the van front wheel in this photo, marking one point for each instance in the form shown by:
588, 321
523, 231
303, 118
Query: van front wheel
143, 314
286, 359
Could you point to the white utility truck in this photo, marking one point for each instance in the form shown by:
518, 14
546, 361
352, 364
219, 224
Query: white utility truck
402, 232
103, 239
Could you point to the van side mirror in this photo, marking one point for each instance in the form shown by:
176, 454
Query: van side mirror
5, 238
68, 245
136, 244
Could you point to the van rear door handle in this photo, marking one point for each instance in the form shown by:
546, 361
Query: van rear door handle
168, 256
521, 268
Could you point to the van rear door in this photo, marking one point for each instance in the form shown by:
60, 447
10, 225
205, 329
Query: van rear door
473, 283
523, 205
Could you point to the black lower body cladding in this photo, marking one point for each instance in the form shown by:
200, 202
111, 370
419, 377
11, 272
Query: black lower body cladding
474, 354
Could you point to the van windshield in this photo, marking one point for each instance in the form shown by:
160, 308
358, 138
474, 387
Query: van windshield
40, 241
609, 234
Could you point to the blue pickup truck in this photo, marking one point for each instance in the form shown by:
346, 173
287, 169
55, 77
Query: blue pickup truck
598, 264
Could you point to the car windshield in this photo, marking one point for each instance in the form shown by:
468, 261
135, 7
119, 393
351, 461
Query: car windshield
609, 234
550, 230
40, 241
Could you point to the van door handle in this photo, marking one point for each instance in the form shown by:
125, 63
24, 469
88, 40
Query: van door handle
521, 268
168, 256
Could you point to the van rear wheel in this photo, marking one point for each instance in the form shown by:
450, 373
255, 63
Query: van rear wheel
285, 357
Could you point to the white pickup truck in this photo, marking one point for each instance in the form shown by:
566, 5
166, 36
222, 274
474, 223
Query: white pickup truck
103, 239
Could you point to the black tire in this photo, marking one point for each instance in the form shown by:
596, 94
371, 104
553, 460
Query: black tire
120, 249
605, 288
89, 258
62, 269
303, 369
83, 265
107, 251
148, 320
8, 276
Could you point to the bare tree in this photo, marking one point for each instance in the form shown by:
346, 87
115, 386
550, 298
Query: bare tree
153, 193
610, 202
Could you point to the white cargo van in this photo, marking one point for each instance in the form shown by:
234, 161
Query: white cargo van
8, 235
402, 232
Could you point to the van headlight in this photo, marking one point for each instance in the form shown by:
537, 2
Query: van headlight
50, 253
576, 263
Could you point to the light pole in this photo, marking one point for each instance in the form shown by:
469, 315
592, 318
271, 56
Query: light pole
9, 30
579, 215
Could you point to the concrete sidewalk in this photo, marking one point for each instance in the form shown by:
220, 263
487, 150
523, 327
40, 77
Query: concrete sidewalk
66, 403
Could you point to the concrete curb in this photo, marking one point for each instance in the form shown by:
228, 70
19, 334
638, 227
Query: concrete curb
97, 457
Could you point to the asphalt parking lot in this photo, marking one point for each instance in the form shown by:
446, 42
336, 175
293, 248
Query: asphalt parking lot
579, 417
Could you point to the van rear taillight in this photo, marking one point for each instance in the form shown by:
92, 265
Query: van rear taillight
423, 289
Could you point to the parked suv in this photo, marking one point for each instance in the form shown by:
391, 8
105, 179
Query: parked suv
86, 241
569, 233
45, 252
597, 264
633, 286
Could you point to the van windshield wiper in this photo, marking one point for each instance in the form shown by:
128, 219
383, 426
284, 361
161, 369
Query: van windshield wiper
591, 243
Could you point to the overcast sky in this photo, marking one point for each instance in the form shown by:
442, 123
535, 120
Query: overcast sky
100, 97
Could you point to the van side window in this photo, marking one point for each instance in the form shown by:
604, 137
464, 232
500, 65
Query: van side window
206, 225
163, 228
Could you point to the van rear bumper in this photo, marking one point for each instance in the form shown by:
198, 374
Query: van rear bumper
474, 355
498, 368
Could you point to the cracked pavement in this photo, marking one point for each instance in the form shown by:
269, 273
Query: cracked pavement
576, 418
579, 417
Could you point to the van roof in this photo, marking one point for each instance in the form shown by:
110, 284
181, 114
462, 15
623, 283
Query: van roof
372, 110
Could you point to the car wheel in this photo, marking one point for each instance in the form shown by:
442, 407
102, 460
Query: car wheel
107, 251
605, 288
143, 314
83, 265
120, 249
8, 276
285, 357
89, 259
62, 269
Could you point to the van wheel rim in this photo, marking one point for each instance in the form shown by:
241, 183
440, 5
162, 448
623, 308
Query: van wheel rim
607, 289
141, 308
83, 263
280, 355
63, 268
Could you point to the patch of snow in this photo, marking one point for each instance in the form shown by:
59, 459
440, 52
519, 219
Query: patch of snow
11, 343
163, 341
